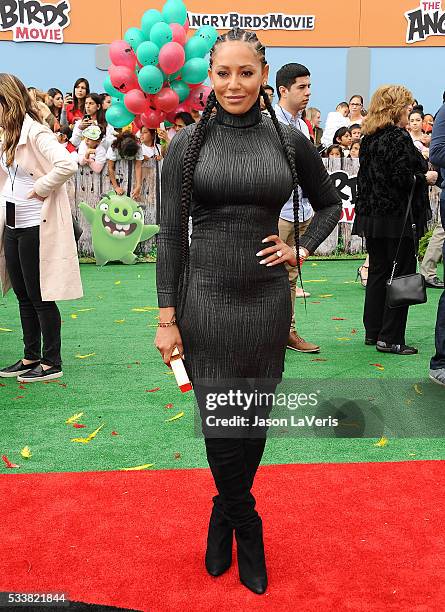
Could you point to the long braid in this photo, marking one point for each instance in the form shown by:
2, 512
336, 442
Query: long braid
190, 160
290, 156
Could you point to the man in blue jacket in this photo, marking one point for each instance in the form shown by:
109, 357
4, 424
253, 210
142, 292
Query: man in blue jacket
437, 158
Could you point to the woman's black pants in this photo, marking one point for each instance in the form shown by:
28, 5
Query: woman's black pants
383, 323
39, 319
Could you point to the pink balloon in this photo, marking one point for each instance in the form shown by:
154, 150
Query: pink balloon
171, 57
123, 78
121, 54
166, 100
152, 118
179, 34
198, 97
137, 122
184, 107
136, 101
186, 24
196, 86
171, 116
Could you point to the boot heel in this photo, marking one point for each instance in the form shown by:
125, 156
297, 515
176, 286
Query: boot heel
251, 560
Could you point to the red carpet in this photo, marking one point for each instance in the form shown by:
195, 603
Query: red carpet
338, 537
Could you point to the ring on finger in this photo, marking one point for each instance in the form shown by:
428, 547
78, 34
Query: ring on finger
279, 254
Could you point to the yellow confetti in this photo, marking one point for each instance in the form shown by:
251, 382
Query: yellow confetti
88, 438
74, 316
26, 452
326, 295
144, 309
412, 454
74, 418
5, 329
85, 356
381, 368
117, 283
85, 309
382, 442
418, 389
120, 321
316, 280
138, 467
169, 373
175, 418
344, 339
314, 264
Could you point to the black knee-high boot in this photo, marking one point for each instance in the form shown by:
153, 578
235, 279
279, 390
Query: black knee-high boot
227, 460
220, 534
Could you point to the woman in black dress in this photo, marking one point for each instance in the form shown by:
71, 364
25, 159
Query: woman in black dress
224, 301
388, 163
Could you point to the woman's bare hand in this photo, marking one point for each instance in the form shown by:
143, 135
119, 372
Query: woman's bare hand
279, 253
167, 339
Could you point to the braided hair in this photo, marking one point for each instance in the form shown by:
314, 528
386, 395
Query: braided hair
194, 147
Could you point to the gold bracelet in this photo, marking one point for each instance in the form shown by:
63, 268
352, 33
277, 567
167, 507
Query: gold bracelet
168, 324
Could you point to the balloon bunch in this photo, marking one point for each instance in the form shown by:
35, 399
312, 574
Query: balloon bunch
157, 71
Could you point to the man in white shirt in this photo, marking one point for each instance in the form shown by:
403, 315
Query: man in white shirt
294, 89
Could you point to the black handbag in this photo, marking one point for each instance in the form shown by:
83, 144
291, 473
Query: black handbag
410, 289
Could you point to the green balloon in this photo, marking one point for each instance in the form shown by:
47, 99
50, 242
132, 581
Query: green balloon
208, 34
174, 11
118, 116
161, 34
148, 53
194, 71
167, 123
195, 47
150, 79
174, 76
134, 37
149, 18
112, 91
181, 88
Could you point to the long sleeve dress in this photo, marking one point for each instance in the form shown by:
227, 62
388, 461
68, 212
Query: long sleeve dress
236, 315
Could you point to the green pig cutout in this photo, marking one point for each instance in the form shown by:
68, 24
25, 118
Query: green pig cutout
117, 227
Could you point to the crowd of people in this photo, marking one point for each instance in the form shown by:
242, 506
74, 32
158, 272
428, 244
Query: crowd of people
78, 120
228, 310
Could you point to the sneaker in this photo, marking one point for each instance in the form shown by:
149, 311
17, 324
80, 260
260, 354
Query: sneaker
38, 373
397, 349
295, 343
18, 368
438, 376
434, 283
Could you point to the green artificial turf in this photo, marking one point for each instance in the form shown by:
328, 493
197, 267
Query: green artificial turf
111, 385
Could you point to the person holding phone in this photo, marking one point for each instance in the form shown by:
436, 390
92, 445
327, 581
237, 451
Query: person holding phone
38, 254
94, 115
75, 108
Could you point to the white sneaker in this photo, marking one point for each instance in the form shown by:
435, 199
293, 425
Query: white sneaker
438, 376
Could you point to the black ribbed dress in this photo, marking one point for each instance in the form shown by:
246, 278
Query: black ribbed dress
236, 315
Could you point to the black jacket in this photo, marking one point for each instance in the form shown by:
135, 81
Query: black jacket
388, 162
